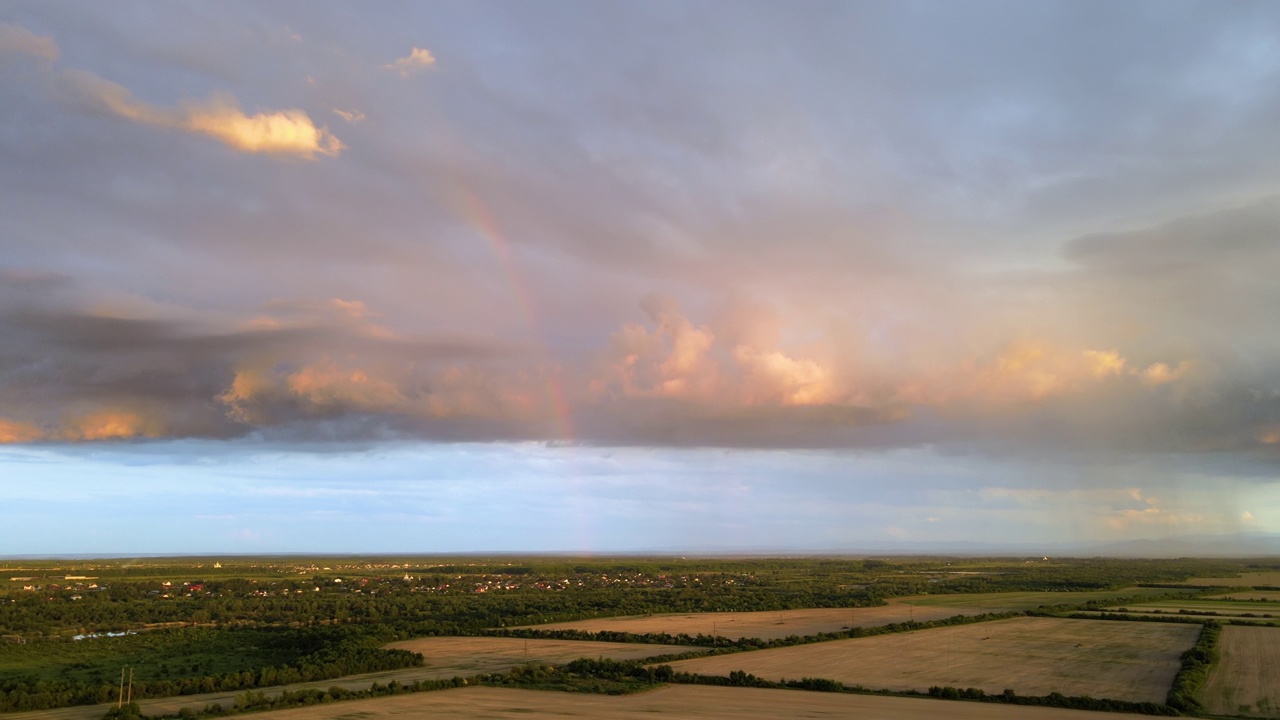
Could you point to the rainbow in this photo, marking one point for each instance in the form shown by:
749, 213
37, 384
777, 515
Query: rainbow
476, 214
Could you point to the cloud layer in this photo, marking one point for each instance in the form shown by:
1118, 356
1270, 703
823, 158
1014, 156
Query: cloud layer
636, 226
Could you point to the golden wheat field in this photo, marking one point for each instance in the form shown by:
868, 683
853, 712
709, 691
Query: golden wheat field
767, 624
1033, 656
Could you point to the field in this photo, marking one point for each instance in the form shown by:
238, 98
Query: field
259, 621
446, 657
769, 624
1033, 656
462, 656
1224, 608
1258, 595
1246, 680
683, 701
999, 602
782, 623
1257, 579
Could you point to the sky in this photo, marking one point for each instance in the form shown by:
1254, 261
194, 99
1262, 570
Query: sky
636, 276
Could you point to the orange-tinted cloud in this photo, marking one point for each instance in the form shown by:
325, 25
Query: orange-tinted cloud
283, 132
320, 385
111, 425
416, 61
680, 360
1029, 371
773, 377
1162, 374
246, 387
350, 308
1103, 363
327, 383
18, 432
672, 360
351, 116
278, 132
17, 39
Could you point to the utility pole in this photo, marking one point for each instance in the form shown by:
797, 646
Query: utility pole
130, 685
120, 700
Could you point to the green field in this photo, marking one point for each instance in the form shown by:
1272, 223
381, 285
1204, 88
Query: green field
1233, 608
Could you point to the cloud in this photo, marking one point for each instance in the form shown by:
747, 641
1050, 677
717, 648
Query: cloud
326, 383
17, 39
774, 377
322, 387
416, 61
112, 425
929, 293
277, 132
678, 360
12, 431
284, 132
280, 132
1162, 374
351, 116
1105, 362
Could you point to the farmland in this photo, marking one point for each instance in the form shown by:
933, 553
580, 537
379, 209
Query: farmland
464, 656
1255, 595
683, 701
1004, 601
767, 625
1033, 656
445, 657
205, 631
1249, 579
1207, 607
1246, 680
